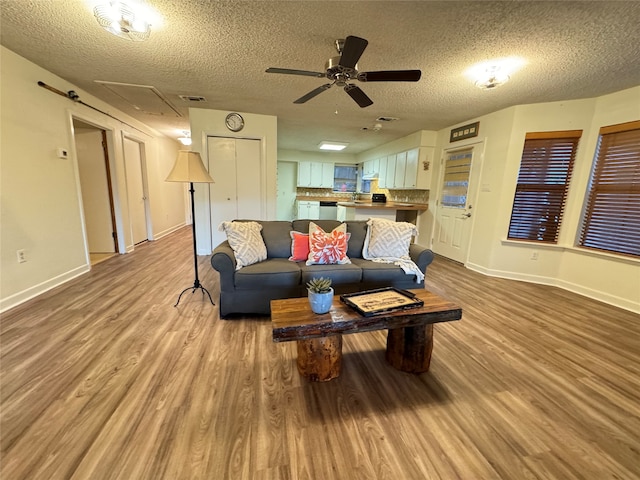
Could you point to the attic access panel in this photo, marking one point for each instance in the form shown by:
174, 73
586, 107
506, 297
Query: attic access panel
144, 98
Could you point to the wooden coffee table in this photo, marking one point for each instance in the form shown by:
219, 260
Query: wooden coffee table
319, 336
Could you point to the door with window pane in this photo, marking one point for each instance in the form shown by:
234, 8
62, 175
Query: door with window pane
453, 214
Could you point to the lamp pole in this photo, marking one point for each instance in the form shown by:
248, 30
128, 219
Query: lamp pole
196, 284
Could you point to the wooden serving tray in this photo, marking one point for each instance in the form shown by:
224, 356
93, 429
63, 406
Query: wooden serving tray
381, 300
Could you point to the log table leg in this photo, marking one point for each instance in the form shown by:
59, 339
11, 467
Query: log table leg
320, 359
409, 349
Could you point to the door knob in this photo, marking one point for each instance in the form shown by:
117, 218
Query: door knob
467, 215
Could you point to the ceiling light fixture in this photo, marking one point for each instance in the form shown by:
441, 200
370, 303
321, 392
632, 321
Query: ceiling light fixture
333, 146
491, 74
186, 138
122, 21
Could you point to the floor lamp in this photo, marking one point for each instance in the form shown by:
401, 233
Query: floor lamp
189, 168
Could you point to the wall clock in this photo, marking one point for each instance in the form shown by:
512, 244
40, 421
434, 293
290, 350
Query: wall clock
234, 122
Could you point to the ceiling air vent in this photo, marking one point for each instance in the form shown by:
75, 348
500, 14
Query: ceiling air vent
192, 98
386, 119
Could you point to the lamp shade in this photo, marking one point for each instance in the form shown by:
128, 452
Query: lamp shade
189, 168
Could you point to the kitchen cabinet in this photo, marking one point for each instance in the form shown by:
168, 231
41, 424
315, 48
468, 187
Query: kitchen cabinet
308, 209
411, 169
401, 165
382, 172
391, 171
327, 175
315, 174
371, 168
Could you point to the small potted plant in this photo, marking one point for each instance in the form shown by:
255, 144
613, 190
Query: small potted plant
320, 294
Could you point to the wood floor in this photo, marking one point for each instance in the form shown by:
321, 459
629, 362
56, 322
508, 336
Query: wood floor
103, 378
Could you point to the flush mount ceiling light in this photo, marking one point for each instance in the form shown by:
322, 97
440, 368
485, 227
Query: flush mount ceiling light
186, 138
334, 146
123, 21
492, 74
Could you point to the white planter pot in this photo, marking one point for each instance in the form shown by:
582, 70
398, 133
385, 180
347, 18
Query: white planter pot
320, 302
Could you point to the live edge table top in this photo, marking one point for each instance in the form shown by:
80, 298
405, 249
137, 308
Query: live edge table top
292, 318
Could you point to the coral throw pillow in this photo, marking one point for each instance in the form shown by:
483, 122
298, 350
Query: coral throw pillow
328, 248
299, 246
246, 241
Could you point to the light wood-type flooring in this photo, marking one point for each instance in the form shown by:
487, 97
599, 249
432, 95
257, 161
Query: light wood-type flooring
102, 378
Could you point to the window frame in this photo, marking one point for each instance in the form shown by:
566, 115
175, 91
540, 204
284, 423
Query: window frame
613, 187
531, 197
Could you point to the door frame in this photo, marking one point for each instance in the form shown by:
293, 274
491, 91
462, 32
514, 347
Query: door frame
478, 148
110, 135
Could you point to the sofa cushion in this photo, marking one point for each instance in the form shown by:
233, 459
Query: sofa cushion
303, 225
381, 273
246, 242
276, 238
339, 274
358, 231
275, 272
328, 248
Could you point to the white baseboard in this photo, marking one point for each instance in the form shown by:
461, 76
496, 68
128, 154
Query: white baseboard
31, 292
168, 231
572, 287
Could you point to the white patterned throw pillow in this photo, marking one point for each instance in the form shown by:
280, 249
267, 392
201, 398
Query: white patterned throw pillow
388, 239
246, 241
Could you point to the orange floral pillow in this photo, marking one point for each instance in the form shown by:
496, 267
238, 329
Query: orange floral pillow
328, 248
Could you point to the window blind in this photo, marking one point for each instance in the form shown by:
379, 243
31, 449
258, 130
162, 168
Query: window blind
543, 181
611, 219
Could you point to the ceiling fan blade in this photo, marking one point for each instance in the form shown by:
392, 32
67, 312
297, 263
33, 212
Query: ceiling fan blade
358, 95
390, 76
313, 93
352, 51
295, 72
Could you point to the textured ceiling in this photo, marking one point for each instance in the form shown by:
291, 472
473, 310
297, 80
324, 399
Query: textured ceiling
220, 50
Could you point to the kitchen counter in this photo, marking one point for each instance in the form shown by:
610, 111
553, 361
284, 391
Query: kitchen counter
396, 211
421, 207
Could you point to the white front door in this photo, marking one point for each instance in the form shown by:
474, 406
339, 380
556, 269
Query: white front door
135, 191
454, 210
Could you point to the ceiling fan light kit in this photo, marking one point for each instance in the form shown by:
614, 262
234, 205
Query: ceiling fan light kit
343, 69
122, 21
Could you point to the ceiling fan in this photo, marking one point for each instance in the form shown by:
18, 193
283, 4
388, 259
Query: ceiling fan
343, 69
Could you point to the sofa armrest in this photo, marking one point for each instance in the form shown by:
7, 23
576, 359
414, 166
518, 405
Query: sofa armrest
223, 260
421, 256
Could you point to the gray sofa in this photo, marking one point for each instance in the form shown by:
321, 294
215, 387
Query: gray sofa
251, 289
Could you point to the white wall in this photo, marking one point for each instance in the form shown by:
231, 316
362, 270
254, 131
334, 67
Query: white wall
40, 193
612, 279
206, 122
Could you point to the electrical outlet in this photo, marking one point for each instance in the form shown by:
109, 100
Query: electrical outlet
534, 255
22, 256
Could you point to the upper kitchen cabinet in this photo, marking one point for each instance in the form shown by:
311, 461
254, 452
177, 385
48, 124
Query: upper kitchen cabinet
315, 174
371, 168
411, 168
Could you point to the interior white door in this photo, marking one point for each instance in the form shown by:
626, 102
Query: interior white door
286, 200
236, 167
454, 208
135, 191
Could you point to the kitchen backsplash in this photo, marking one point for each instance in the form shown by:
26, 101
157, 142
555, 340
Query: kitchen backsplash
401, 195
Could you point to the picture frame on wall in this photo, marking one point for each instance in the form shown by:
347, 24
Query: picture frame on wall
466, 131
